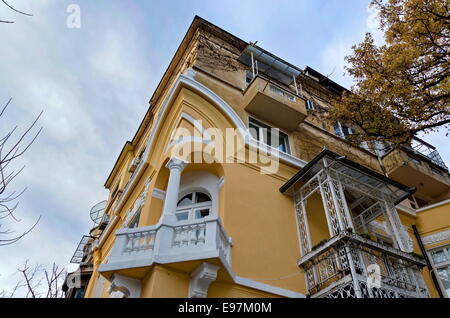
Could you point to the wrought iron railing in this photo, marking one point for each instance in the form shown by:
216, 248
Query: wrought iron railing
331, 266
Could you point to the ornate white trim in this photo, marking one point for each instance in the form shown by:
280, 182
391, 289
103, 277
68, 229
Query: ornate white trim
433, 205
159, 194
124, 287
379, 226
406, 209
201, 278
409, 243
436, 237
204, 138
138, 204
188, 80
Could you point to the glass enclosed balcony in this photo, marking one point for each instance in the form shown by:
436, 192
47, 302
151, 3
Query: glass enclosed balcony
348, 227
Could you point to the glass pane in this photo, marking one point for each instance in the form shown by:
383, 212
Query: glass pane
201, 213
254, 131
186, 200
337, 130
439, 256
201, 197
345, 130
182, 216
444, 275
283, 144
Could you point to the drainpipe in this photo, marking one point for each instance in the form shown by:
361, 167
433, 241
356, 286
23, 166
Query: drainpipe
430, 267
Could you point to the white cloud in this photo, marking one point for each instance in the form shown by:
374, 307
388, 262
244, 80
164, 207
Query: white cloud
372, 21
93, 89
93, 84
333, 61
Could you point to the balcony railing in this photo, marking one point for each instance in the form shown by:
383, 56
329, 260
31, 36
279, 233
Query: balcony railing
168, 243
273, 103
328, 269
425, 149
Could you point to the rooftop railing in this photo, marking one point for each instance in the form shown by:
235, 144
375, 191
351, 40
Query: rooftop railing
425, 149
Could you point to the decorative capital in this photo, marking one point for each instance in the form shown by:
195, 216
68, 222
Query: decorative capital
176, 163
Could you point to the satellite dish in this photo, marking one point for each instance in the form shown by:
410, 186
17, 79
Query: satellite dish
97, 212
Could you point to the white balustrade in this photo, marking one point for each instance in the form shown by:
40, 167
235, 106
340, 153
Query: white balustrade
164, 242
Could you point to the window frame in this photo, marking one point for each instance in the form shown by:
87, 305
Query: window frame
262, 125
310, 105
192, 208
445, 265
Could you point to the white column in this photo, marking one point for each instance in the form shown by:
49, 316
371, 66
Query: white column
176, 166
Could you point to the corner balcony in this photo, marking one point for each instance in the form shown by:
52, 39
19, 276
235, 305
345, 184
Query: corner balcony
138, 248
342, 267
275, 104
420, 166
334, 192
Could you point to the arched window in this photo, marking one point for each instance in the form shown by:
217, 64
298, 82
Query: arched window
194, 205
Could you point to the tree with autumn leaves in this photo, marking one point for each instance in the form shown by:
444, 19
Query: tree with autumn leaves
402, 87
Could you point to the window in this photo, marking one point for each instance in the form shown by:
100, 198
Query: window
310, 105
441, 255
342, 130
441, 260
79, 293
263, 133
193, 206
248, 77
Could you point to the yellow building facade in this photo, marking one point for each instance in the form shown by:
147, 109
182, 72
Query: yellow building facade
208, 201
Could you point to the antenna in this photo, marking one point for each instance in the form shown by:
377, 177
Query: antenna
97, 212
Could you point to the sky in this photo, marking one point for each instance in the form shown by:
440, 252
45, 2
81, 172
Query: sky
93, 84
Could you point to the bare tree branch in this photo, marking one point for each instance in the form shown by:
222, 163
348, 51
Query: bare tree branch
15, 10
39, 282
9, 151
